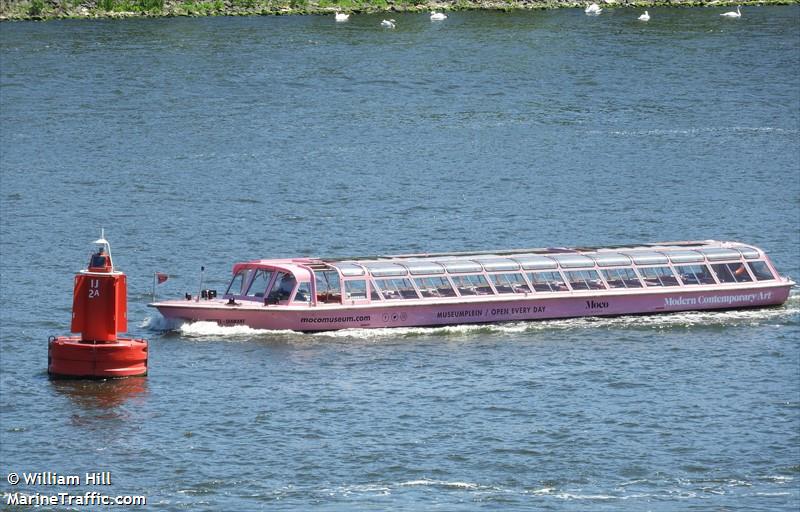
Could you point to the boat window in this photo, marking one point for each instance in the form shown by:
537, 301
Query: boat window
611, 259
760, 270
474, 284
584, 280
434, 287
658, 276
720, 253
695, 274
282, 287
573, 260
749, 253
238, 282
373, 291
731, 272
355, 289
303, 293
258, 286
533, 262
349, 269
510, 283
648, 258
385, 269
397, 288
423, 267
685, 256
461, 266
328, 286
621, 278
547, 282
498, 264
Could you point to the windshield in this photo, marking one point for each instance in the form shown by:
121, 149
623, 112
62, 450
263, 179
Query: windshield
282, 288
238, 282
258, 287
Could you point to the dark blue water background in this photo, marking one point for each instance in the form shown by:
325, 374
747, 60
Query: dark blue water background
209, 141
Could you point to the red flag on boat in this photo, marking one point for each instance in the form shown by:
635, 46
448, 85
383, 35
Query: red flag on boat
161, 277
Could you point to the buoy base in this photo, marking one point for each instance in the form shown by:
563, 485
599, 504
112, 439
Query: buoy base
70, 357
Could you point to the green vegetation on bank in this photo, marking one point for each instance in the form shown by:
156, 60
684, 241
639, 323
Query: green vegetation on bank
50, 9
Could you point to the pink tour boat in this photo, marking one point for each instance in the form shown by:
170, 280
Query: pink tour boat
322, 294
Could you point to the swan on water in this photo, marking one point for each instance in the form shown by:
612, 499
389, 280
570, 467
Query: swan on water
593, 9
438, 16
644, 17
733, 14
387, 23
340, 16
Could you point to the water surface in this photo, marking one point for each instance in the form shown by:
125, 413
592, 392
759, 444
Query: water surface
200, 142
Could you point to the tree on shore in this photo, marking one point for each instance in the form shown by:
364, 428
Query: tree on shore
45, 9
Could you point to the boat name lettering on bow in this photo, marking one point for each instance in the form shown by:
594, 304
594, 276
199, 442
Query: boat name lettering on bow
591, 304
522, 310
680, 301
335, 319
228, 322
717, 299
726, 299
459, 314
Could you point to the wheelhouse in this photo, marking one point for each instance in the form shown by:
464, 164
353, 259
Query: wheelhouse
270, 282
476, 276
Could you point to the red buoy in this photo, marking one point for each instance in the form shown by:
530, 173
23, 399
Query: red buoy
99, 313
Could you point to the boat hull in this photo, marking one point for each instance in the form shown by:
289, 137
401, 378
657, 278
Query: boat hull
483, 309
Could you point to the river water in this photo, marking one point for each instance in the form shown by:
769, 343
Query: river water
201, 142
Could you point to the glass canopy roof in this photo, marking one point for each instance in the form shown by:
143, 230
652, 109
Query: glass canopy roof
516, 261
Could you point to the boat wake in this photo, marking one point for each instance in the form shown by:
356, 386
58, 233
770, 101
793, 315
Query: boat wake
643, 490
207, 329
695, 131
158, 323
790, 311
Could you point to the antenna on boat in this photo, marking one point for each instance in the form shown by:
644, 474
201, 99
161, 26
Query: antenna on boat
202, 274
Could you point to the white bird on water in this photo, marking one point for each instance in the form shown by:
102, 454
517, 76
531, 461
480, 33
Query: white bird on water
387, 23
593, 9
340, 16
733, 14
644, 17
438, 16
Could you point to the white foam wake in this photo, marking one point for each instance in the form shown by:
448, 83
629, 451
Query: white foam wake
664, 490
159, 324
695, 131
440, 483
206, 329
